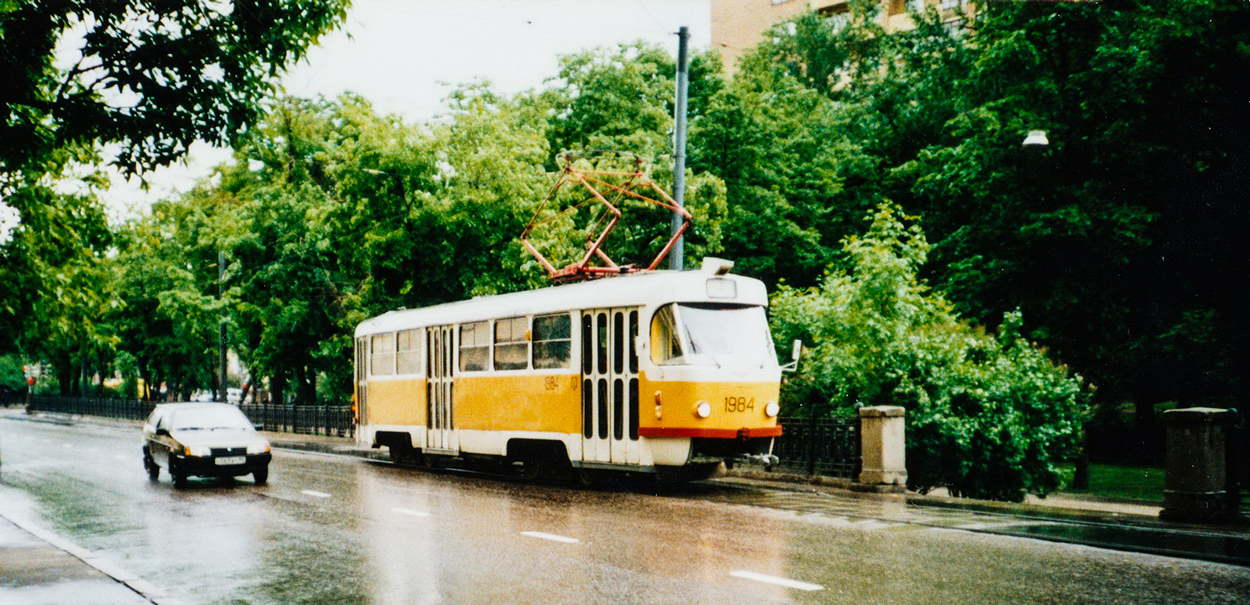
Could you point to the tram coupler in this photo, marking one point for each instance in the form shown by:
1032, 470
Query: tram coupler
765, 460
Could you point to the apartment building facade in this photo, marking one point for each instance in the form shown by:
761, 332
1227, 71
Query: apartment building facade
738, 25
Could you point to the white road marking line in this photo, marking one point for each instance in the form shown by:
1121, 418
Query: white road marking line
308, 492
552, 537
788, 583
414, 513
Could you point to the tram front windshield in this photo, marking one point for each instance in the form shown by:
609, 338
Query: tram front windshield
703, 334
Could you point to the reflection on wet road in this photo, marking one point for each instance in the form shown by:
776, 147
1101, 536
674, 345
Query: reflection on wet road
1213, 543
339, 530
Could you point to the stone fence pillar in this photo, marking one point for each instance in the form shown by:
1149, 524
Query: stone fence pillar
882, 446
1196, 474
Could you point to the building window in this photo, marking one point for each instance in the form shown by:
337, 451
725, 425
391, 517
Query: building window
915, 6
512, 347
382, 355
552, 341
408, 357
474, 346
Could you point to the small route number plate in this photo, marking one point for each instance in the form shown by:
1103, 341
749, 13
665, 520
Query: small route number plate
230, 460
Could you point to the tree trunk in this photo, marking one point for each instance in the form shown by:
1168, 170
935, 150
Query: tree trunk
65, 378
1080, 478
277, 388
145, 393
307, 383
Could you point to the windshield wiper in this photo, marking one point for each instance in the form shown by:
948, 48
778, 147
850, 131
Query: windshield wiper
694, 349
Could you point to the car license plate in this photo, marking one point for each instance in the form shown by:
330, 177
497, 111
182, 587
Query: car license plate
230, 460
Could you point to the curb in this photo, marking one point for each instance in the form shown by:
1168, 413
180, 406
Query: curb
337, 450
140, 586
817, 480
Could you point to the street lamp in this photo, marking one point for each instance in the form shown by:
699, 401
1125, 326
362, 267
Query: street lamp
1036, 138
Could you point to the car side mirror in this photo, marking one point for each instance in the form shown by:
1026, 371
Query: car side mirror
162, 432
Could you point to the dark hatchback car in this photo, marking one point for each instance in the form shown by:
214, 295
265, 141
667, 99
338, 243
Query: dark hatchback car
205, 440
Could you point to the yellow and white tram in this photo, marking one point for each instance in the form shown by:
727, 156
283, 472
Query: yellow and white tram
668, 372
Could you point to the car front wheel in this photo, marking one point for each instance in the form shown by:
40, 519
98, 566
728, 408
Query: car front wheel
154, 471
180, 478
261, 475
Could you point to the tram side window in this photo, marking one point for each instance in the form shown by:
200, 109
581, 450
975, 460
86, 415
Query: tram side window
475, 346
408, 358
665, 340
382, 355
552, 341
512, 348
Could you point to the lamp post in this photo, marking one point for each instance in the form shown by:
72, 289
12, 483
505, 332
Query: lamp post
221, 345
676, 256
1036, 139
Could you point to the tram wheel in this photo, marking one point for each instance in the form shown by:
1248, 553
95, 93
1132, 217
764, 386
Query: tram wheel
588, 477
532, 466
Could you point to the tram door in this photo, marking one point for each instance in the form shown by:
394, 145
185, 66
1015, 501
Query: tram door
440, 346
610, 386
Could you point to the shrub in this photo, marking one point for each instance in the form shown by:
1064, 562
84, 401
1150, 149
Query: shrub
988, 416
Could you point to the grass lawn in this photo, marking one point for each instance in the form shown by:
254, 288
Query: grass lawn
1119, 481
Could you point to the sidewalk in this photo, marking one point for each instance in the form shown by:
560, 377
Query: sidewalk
35, 571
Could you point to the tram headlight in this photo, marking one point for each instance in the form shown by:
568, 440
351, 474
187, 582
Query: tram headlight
772, 409
703, 409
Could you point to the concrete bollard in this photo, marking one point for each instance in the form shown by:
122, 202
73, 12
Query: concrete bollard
1196, 474
882, 446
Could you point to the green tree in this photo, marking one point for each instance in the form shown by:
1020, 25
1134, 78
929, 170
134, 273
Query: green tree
621, 100
151, 77
167, 284
1116, 240
988, 417
57, 283
783, 153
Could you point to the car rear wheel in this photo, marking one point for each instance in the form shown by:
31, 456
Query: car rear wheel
261, 475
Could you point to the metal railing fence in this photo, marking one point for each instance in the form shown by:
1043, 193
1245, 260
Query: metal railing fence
104, 407
330, 420
826, 446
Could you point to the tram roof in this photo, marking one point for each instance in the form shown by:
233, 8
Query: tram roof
654, 287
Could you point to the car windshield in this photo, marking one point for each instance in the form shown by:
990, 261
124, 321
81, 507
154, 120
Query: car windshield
701, 334
210, 418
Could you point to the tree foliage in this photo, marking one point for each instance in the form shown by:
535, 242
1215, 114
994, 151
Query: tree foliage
1116, 240
149, 76
988, 417
331, 213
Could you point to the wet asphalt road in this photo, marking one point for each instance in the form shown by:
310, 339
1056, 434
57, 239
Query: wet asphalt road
341, 530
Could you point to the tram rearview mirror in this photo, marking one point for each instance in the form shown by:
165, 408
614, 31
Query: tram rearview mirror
798, 350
